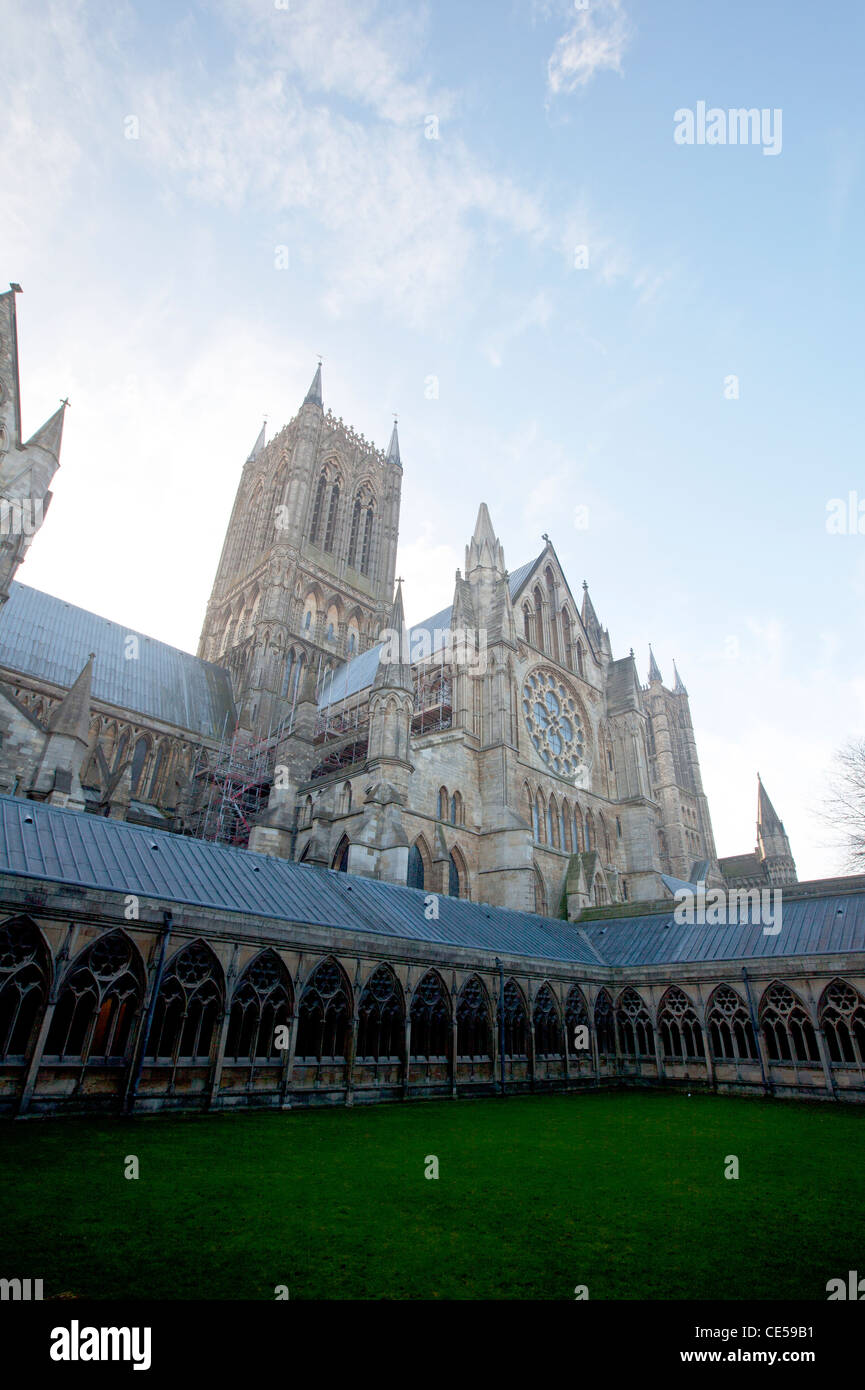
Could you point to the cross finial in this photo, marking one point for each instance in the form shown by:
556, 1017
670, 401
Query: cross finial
545, 537
66, 402
399, 579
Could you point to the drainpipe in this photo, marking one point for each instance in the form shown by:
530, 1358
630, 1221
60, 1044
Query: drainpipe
151, 1009
502, 1021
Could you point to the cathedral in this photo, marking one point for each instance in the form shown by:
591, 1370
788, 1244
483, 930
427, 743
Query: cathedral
433, 857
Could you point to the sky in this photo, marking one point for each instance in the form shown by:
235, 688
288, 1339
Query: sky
484, 218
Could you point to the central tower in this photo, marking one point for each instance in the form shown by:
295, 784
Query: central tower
306, 576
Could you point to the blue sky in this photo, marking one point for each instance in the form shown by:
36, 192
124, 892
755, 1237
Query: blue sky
153, 298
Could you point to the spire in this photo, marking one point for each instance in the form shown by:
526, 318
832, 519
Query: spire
393, 446
49, 435
259, 443
394, 670
313, 395
768, 821
678, 688
484, 549
72, 715
654, 672
589, 616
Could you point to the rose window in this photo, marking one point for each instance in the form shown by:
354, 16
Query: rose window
553, 721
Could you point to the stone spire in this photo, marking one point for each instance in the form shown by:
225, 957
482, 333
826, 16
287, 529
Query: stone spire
58, 776
72, 715
313, 395
679, 687
393, 446
259, 443
768, 820
394, 668
654, 672
773, 846
26, 470
590, 618
484, 550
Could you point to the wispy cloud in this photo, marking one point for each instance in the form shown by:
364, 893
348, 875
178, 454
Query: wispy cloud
594, 42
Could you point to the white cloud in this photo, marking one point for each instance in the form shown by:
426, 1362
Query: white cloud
595, 41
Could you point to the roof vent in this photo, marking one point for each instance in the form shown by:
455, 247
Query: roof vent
28, 820
256, 868
154, 845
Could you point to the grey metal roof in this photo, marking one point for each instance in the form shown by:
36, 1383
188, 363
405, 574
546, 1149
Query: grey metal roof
810, 926
47, 843
518, 577
359, 673
45, 637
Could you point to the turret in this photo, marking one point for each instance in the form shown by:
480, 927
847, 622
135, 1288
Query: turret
773, 846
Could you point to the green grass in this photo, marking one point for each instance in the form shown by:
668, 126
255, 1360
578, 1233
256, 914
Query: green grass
623, 1192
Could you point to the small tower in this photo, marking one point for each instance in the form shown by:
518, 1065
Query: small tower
26, 470
391, 704
380, 847
773, 846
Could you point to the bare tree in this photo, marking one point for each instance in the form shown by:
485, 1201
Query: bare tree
844, 807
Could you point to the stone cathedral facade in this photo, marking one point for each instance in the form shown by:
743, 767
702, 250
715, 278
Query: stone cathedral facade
505, 755
499, 751
333, 860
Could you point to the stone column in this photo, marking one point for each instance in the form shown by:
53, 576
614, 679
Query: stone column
407, 1069
288, 1064
220, 1057
349, 1061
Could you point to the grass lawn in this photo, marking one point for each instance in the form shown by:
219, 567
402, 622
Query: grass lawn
622, 1192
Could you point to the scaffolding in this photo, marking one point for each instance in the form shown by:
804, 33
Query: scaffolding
231, 786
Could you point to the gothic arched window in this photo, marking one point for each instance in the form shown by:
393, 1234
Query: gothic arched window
318, 507
139, 756
842, 1017
24, 973
516, 1022
324, 1014
580, 658
548, 1025
366, 549
788, 1030
473, 1020
681, 1034
430, 1018
635, 1027
190, 998
354, 533
261, 1004
381, 1017
98, 1002
442, 804
453, 878
415, 876
605, 1029
731, 1035
576, 1015
567, 639
332, 511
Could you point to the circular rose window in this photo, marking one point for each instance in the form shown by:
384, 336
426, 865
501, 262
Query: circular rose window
553, 721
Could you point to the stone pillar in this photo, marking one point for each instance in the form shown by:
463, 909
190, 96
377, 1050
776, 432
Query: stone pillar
406, 1074
826, 1061
288, 1064
349, 1061
454, 1047
216, 1078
